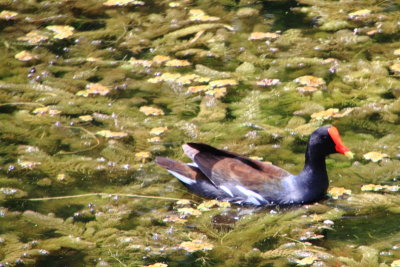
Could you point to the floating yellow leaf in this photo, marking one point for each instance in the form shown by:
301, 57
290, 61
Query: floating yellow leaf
325, 114
187, 79
200, 15
223, 83
207, 205
94, 89
141, 62
123, 3
8, 15
359, 13
177, 63
198, 88
306, 89
151, 111
158, 130
375, 156
268, 82
217, 92
34, 37
396, 52
306, 261
309, 80
196, 245
183, 202
86, 118
61, 31
170, 77
46, 111
24, 56
395, 263
263, 35
189, 211
158, 264
142, 156
110, 134
175, 219
336, 192
376, 187
395, 67
157, 79
159, 59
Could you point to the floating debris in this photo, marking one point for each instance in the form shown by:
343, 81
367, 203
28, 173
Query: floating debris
223, 83
306, 261
268, 82
86, 118
207, 205
61, 31
141, 62
256, 36
189, 211
123, 3
151, 111
158, 264
198, 88
159, 59
337, 192
217, 92
196, 245
325, 114
175, 219
158, 130
183, 202
34, 37
46, 111
110, 134
395, 263
200, 15
94, 89
142, 156
309, 80
25, 56
375, 156
8, 15
395, 68
377, 188
359, 14
177, 63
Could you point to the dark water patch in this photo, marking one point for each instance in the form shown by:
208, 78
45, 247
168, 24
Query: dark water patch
285, 18
362, 230
63, 258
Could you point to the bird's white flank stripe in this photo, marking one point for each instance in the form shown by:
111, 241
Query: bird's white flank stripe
182, 178
252, 196
226, 189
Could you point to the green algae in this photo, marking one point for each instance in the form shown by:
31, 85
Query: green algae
57, 154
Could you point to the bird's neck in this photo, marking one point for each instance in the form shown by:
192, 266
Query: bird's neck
314, 171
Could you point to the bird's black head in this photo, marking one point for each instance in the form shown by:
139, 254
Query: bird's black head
326, 140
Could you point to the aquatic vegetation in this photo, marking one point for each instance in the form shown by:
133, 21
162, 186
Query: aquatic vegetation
91, 92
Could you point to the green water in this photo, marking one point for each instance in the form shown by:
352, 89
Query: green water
53, 160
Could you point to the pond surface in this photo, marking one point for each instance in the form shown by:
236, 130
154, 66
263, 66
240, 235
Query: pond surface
91, 92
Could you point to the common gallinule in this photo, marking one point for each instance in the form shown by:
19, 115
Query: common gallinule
227, 176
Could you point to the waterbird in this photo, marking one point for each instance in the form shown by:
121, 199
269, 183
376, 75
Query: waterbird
227, 176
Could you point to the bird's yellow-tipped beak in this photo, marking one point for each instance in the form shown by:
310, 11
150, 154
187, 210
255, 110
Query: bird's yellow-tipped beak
349, 154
